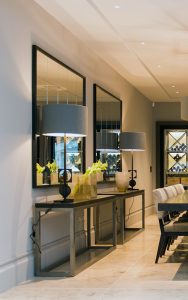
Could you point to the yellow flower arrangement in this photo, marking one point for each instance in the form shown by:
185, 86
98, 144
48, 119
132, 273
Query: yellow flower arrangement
53, 167
39, 168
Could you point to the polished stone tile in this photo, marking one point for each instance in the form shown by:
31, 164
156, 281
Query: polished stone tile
55, 294
136, 293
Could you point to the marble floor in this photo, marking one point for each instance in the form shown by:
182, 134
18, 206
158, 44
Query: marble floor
127, 273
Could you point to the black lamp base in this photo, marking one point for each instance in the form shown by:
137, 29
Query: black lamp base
132, 183
64, 190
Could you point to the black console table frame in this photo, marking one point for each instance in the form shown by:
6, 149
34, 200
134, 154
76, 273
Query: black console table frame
71, 208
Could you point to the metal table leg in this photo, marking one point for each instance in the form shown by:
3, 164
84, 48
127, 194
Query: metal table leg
37, 246
89, 227
72, 243
122, 220
143, 210
97, 222
114, 218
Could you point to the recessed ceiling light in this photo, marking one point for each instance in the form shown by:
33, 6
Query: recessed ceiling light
173, 86
142, 43
158, 66
177, 92
116, 6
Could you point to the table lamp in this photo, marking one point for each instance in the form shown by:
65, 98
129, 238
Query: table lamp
64, 120
132, 141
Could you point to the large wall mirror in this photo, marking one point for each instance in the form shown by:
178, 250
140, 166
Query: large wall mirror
107, 126
54, 82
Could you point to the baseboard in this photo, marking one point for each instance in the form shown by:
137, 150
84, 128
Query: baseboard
136, 216
21, 269
16, 271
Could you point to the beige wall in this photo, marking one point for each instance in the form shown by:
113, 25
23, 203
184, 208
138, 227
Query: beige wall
22, 24
167, 111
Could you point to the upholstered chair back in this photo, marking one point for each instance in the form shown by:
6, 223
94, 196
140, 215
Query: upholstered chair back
179, 188
159, 195
170, 191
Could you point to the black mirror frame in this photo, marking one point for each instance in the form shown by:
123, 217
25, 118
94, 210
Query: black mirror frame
95, 86
34, 111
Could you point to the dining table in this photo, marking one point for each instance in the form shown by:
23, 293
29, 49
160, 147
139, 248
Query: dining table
177, 203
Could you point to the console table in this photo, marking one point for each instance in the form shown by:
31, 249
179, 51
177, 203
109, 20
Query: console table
71, 208
122, 197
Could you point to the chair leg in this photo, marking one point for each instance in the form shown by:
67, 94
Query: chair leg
165, 245
161, 242
173, 239
163, 248
169, 242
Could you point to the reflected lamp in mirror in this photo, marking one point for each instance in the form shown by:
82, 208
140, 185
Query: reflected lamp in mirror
106, 141
53, 82
64, 120
132, 141
107, 125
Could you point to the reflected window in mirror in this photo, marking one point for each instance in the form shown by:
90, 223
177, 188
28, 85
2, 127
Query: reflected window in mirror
107, 126
54, 82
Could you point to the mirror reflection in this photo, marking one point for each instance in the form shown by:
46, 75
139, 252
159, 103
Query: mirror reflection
107, 126
54, 82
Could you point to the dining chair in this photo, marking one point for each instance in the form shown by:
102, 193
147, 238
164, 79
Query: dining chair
179, 188
159, 195
169, 229
170, 191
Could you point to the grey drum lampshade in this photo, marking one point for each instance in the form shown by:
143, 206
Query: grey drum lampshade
132, 141
106, 141
60, 119
184, 108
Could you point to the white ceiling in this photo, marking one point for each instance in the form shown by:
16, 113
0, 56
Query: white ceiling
146, 41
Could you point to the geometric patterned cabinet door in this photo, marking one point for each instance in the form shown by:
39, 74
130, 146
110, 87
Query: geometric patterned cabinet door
175, 157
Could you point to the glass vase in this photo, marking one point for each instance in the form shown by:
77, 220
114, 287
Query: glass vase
85, 187
100, 176
122, 181
93, 185
54, 178
39, 179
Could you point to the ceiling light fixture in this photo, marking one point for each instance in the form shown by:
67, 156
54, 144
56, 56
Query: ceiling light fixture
158, 66
177, 92
142, 43
173, 86
116, 6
